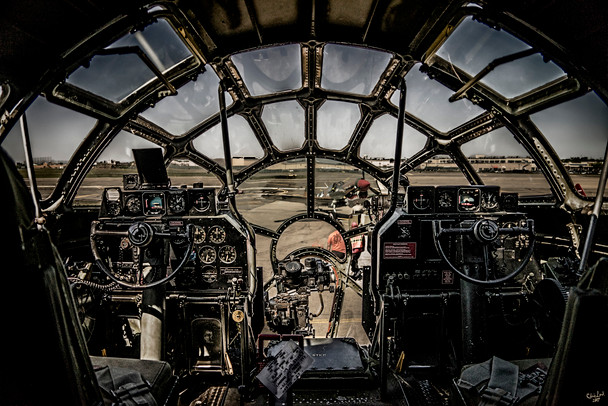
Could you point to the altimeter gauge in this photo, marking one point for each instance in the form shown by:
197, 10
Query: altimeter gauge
133, 205
177, 203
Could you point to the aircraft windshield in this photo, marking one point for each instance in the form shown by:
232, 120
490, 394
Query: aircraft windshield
196, 102
473, 45
270, 70
272, 121
116, 75
352, 70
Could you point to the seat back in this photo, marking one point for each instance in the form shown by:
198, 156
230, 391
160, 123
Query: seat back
45, 359
579, 371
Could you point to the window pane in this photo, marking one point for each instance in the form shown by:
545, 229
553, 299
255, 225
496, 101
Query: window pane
577, 128
243, 143
302, 234
336, 122
194, 103
439, 170
335, 188
285, 124
55, 133
274, 194
379, 143
186, 172
114, 162
578, 132
521, 76
428, 100
473, 45
352, 70
501, 160
270, 70
114, 77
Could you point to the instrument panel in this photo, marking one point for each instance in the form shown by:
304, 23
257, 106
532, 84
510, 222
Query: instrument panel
221, 243
407, 254
154, 202
458, 199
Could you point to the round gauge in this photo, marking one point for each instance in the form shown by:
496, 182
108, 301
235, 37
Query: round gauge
445, 200
468, 199
489, 201
217, 234
154, 203
207, 254
209, 274
113, 208
199, 235
422, 199
177, 203
227, 254
201, 203
133, 204
112, 195
238, 316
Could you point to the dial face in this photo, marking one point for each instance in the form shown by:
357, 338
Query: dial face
209, 274
177, 203
489, 200
113, 202
201, 203
154, 203
112, 195
217, 234
199, 235
509, 201
113, 208
468, 199
133, 204
207, 254
227, 254
445, 200
422, 199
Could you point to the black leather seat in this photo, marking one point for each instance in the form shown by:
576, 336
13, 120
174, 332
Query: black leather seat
158, 374
46, 361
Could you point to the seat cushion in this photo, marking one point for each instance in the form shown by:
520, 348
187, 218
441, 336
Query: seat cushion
158, 373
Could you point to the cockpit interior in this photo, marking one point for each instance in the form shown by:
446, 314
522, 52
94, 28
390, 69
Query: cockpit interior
304, 202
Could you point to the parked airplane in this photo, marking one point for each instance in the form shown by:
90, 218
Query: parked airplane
172, 171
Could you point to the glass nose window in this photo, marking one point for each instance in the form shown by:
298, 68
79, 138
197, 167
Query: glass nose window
270, 70
352, 70
285, 124
336, 122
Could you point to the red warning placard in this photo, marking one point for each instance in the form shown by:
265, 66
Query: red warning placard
399, 250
